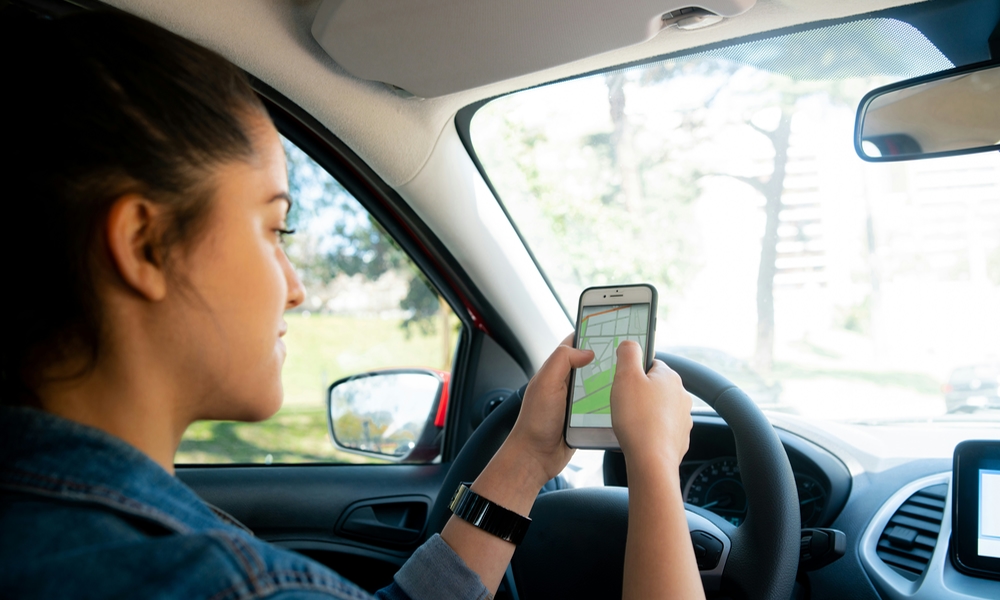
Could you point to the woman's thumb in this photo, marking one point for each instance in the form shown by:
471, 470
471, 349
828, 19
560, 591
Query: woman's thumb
580, 358
629, 359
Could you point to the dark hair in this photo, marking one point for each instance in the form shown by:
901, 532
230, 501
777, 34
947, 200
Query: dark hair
99, 105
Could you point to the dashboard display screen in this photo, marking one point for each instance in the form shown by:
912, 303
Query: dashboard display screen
976, 509
989, 513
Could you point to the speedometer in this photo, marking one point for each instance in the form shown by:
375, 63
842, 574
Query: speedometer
717, 486
812, 499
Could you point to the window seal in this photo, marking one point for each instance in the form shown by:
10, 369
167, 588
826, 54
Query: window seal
399, 220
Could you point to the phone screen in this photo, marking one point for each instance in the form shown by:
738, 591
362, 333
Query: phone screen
601, 329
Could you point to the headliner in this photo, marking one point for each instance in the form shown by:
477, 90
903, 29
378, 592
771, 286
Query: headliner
271, 39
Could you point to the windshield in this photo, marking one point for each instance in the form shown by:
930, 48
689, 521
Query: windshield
824, 286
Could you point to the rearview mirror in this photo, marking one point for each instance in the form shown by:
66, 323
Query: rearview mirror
394, 414
943, 114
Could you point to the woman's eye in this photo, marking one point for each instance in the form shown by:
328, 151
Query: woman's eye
282, 233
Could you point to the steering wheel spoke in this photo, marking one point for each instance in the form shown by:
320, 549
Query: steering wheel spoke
712, 546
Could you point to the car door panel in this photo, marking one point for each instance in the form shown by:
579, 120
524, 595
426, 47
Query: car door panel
307, 502
363, 521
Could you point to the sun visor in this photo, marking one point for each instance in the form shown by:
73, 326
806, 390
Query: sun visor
431, 48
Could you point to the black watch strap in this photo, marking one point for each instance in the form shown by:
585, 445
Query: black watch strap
488, 516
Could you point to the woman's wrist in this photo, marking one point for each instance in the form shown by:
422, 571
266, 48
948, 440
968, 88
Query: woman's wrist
652, 465
512, 479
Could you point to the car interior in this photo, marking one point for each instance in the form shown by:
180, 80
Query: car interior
464, 168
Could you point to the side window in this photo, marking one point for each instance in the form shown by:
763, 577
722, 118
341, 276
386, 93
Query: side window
370, 318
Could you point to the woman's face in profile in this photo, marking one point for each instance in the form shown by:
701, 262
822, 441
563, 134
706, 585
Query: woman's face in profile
242, 283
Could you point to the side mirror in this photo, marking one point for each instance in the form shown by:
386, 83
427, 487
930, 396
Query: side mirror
395, 414
943, 114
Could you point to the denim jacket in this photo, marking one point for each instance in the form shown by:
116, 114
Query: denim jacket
85, 515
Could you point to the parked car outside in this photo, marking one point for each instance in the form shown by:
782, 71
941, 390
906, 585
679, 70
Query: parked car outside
973, 387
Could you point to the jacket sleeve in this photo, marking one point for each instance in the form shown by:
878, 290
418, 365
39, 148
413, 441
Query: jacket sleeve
393, 592
435, 572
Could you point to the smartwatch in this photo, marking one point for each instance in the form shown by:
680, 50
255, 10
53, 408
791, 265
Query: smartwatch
487, 515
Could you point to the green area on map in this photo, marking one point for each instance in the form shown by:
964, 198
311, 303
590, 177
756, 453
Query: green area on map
598, 399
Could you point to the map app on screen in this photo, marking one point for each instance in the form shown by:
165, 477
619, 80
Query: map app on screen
602, 328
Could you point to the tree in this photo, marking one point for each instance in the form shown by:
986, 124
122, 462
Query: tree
352, 243
791, 71
771, 188
587, 223
821, 62
622, 148
611, 205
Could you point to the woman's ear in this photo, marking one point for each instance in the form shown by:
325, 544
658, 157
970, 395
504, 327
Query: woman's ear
131, 232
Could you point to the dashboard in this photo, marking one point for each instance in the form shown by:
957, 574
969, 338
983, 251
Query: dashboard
710, 475
875, 505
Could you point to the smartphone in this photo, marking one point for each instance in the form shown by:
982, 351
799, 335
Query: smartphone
606, 317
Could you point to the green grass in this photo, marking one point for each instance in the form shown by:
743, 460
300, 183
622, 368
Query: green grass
293, 435
325, 348
917, 382
321, 350
818, 350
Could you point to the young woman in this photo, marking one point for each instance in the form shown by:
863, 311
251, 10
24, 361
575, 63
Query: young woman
146, 284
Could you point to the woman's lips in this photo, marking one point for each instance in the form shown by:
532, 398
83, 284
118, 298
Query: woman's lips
283, 329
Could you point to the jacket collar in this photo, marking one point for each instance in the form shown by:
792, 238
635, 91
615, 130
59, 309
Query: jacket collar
45, 455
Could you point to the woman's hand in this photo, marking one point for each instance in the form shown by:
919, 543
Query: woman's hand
650, 413
537, 436
533, 453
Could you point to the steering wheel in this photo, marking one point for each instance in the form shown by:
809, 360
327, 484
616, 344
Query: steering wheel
575, 546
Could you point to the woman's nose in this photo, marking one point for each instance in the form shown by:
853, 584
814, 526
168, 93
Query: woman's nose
296, 293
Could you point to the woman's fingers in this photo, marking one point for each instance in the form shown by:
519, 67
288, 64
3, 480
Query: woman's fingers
629, 358
660, 370
538, 433
579, 358
552, 380
648, 406
630, 372
565, 357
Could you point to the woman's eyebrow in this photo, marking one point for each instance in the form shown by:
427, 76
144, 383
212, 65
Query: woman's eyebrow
282, 196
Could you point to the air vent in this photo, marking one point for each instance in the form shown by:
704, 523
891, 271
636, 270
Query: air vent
908, 540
